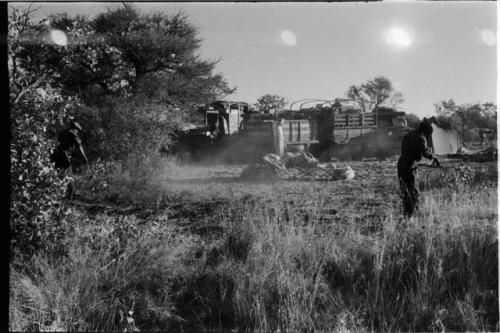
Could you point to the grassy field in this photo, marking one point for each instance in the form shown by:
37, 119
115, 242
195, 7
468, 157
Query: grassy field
193, 247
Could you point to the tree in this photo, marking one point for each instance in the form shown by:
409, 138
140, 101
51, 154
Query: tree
374, 93
270, 102
120, 51
84, 64
467, 119
162, 48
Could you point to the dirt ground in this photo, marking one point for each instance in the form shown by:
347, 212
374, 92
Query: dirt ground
372, 193
197, 194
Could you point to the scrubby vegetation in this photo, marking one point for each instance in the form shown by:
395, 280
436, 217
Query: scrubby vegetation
131, 80
144, 248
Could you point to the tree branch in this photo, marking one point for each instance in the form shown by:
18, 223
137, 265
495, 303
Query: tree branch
22, 92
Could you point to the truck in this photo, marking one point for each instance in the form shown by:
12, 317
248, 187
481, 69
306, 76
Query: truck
332, 129
221, 119
328, 129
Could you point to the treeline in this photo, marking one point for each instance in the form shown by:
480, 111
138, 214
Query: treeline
130, 79
469, 119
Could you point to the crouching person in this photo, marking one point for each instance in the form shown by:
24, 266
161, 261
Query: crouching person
68, 144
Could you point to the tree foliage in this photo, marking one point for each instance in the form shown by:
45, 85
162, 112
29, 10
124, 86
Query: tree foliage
467, 119
271, 102
119, 51
374, 93
150, 43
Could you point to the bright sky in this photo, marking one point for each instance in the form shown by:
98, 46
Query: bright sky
430, 50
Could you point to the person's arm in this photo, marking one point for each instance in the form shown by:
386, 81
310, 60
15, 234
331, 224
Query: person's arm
78, 144
425, 150
83, 153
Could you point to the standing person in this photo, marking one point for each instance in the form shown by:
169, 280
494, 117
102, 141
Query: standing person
69, 142
413, 148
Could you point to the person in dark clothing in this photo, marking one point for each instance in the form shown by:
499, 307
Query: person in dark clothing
413, 148
69, 143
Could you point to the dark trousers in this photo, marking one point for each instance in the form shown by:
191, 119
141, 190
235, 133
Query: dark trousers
410, 194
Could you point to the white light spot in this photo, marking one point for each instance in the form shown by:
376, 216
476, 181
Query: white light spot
399, 37
288, 38
59, 37
488, 37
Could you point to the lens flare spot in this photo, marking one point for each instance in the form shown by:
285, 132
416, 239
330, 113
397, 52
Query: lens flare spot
59, 37
398, 37
488, 37
288, 38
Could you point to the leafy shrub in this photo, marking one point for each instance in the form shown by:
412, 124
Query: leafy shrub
36, 187
118, 126
135, 181
38, 110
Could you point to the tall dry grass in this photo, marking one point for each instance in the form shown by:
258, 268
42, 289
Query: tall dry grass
277, 266
108, 279
439, 271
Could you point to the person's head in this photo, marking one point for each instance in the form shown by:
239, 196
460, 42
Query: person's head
425, 127
75, 126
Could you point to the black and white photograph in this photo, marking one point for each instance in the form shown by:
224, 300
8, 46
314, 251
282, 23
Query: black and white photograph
253, 166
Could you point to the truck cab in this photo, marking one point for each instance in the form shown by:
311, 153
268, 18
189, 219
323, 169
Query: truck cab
225, 117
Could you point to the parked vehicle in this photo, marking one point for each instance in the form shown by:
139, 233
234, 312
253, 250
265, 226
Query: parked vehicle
333, 129
329, 129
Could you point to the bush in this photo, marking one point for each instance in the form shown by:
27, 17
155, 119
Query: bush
135, 181
117, 126
38, 110
36, 187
